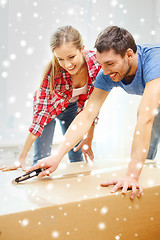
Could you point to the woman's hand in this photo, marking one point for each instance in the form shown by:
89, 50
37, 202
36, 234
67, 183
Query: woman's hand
124, 184
86, 145
20, 163
49, 163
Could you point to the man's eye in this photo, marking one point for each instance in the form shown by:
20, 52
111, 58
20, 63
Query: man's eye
109, 64
60, 59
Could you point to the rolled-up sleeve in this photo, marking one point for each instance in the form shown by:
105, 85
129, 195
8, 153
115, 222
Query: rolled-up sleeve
41, 109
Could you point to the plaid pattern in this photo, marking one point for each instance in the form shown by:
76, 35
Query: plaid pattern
48, 106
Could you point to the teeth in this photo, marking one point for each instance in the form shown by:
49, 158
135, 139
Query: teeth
70, 68
112, 75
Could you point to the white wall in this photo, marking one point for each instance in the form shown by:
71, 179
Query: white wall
25, 29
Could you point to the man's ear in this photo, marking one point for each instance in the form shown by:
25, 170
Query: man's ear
129, 53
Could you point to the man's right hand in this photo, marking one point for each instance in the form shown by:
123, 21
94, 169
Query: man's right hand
49, 163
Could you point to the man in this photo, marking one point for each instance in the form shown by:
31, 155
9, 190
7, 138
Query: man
136, 69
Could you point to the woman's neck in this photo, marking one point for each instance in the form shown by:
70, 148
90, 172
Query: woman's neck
80, 78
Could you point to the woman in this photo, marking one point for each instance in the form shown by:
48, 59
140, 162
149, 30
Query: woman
66, 84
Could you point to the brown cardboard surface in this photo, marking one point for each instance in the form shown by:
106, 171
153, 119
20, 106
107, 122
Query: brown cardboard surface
35, 193
74, 206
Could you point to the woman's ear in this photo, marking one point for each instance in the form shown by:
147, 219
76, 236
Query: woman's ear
83, 47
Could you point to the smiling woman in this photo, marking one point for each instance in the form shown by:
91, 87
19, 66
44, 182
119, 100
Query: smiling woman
67, 83
69, 57
72, 60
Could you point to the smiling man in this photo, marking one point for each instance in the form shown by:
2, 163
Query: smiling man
136, 69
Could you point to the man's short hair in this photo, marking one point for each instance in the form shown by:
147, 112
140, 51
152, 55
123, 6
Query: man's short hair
116, 38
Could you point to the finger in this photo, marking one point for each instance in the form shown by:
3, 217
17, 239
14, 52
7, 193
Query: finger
1, 168
134, 191
140, 191
44, 173
116, 187
9, 168
90, 154
124, 189
23, 167
111, 182
4, 169
36, 166
75, 149
85, 157
12, 167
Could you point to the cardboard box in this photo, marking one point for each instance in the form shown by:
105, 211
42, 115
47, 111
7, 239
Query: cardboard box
73, 206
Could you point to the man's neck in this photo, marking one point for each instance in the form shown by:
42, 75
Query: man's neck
134, 64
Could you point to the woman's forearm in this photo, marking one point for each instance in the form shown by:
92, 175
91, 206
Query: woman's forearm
76, 131
27, 145
91, 132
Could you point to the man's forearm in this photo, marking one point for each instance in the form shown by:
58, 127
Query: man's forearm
140, 146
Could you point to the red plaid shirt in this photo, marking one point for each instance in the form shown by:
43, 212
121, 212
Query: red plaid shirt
48, 106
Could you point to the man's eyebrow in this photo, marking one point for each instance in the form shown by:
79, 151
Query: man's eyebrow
106, 62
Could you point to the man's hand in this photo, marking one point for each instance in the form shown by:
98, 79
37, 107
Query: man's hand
49, 163
85, 144
125, 184
20, 163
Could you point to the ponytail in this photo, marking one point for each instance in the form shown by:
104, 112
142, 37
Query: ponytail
52, 67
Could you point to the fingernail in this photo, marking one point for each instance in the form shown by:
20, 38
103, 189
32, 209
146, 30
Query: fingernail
132, 197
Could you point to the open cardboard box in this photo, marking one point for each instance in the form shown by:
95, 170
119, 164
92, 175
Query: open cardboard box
71, 205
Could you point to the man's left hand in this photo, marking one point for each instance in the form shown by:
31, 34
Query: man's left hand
125, 184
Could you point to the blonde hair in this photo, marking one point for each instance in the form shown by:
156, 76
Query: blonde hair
62, 35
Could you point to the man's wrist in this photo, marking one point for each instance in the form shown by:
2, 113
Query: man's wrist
133, 175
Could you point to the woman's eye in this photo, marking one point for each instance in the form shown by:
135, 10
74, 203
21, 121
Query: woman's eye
72, 57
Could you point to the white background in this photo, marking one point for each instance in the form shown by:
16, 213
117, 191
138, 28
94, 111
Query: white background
25, 30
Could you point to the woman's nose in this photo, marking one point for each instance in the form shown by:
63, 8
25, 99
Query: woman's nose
67, 64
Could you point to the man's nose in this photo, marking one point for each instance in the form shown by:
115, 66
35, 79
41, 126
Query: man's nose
105, 71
